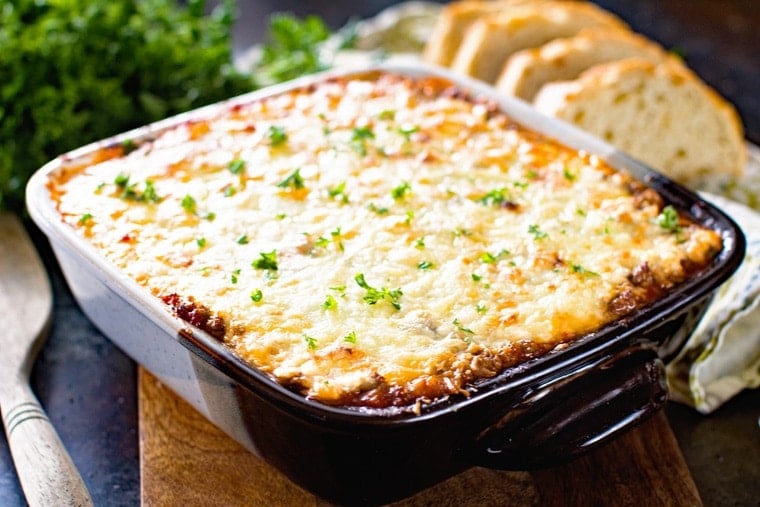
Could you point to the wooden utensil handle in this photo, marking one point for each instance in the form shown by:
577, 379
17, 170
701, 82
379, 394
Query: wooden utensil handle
45, 470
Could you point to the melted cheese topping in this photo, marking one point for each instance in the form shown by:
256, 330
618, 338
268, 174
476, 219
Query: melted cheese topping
376, 240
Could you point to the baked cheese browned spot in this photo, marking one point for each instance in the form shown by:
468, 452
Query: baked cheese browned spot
377, 240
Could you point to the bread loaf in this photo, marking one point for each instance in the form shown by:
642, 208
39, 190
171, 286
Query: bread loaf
659, 113
491, 39
565, 58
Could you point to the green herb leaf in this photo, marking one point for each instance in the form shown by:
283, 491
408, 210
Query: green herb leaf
537, 232
499, 197
359, 137
400, 191
407, 132
338, 192
311, 342
374, 295
668, 219
237, 166
276, 135
257, 296
380, 210
188, 203
266, 260
461, 328
293, 181
330, 303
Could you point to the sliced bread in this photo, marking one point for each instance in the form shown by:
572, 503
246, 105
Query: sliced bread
490, 40
452, 23
660, 113
564, 59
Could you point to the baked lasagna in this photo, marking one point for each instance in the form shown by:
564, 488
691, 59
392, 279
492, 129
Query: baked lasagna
377, 240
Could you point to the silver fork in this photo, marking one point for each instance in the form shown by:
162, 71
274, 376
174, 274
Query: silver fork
45, 470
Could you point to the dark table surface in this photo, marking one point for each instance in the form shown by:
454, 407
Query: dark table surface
89, 387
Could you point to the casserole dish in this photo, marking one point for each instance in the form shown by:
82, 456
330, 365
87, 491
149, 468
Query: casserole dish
535, 414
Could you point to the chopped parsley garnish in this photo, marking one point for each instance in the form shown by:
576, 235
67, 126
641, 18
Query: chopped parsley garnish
489, 258
338, 192
577, 268
425, 265
242, 240
350, 337
407, 131
329, 303
149, 194
237, 166
321, 242
266, 260
497, 197
257, 295
476, 277
480, 308
128, 146
294, 181
276, 135
339, 288
336, 234
129, 190
121, 180
420, 243
188, 203
86, 217
210, 216
374, 295
387, 114
400, 191
359, 137
230, 191
668, 219
461, 328
361, 133
201, 242
234, 276
380, 210
311, 342
537, 232
569, 176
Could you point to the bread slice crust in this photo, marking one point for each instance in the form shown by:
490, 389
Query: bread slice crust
660, 113
491, 40
566, 58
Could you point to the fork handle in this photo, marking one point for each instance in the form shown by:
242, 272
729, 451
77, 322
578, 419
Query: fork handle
45, 470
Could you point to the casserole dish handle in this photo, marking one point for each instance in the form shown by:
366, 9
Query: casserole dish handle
568, 416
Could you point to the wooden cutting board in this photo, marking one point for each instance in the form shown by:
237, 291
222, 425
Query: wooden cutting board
186, 461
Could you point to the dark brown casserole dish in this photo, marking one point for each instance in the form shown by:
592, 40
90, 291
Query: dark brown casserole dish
387, 277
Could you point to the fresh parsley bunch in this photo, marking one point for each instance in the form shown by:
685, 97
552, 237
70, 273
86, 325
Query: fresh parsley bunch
299, 46
74, 71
